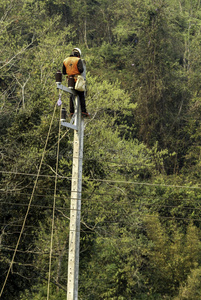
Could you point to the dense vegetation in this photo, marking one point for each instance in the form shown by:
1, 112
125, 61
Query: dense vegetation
141, 201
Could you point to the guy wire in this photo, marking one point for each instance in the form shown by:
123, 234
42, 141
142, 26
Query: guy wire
30, 201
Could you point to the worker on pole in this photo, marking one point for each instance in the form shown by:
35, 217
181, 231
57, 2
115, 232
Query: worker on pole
72, 67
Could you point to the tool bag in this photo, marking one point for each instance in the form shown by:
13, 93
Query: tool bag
80, 84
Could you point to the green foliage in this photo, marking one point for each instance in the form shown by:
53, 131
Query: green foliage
140, 226
41, 294
172, 255
191, 290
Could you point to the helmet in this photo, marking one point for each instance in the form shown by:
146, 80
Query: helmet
76, 51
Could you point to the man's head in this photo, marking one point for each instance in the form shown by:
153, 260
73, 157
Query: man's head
76, 52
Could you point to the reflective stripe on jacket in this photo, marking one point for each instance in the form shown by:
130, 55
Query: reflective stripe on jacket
71, 64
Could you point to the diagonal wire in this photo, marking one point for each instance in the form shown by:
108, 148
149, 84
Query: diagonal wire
30, 201
53, 212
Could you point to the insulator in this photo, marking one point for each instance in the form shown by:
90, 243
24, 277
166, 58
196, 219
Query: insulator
58, 76
63, 113
71, 82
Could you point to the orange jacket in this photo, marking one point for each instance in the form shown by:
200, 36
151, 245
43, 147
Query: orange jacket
71, 65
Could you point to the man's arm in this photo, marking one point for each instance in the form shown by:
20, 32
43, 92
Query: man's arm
84, 69
80, 66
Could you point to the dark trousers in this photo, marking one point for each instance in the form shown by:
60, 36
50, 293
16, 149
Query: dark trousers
82, 102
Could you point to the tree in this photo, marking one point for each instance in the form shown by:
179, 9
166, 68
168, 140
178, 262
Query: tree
192, 288
172, 256
141, 195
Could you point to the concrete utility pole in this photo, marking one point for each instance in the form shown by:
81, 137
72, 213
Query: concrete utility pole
75, 209
76, 192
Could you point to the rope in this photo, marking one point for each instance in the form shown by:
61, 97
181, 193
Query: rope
53, 212
29, 205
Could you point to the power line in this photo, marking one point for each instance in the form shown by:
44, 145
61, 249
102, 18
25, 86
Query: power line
18, 225
136, 201
140, 215
34, 175
25, 252
110, 181
34, 206
133, 204
95, 192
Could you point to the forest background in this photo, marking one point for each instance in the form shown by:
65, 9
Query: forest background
141, 201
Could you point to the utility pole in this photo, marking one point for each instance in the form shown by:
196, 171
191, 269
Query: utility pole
77, 123
75, 209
